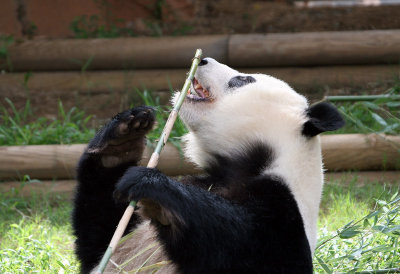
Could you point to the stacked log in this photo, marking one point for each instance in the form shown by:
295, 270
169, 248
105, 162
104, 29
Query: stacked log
160, 80
340, 152
238, 50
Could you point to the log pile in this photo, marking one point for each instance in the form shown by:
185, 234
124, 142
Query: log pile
301, 78
113, 69
304, 60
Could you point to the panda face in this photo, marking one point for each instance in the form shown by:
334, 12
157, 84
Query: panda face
226, 109
214, 80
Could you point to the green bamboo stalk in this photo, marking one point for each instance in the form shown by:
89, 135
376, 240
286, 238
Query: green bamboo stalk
362, 97
152, 162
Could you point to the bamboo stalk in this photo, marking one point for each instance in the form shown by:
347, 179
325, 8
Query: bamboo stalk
152, 162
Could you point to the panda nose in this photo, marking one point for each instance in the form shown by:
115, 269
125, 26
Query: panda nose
203, 62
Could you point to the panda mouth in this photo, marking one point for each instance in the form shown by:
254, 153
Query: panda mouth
198, 93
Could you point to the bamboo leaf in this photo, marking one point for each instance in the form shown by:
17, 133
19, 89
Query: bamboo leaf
371, 105
347, 234
379, 119
393, 104
324, 265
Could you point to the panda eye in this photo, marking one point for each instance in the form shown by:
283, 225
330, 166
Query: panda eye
240, 81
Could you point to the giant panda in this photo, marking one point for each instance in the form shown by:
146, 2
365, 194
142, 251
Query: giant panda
253, 210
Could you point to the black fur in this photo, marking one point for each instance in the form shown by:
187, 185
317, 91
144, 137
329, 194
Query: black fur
322, 117
232, 220
95, 213
240, 81
246, 223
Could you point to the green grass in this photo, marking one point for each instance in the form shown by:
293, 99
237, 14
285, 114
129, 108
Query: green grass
35, 232
20, 127
359, 228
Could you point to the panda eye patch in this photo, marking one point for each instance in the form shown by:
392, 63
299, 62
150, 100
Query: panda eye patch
240, 81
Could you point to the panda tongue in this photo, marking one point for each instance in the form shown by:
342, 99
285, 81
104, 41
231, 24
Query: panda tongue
200, 92
199, 89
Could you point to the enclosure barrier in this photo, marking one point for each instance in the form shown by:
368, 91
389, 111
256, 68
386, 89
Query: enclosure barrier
111, 71
162, 79
340, 152
237, 50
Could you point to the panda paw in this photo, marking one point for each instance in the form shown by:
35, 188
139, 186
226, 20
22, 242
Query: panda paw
159, 198
139, 119
123, 131
141, 182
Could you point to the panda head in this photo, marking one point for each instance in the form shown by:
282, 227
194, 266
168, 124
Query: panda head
225, 111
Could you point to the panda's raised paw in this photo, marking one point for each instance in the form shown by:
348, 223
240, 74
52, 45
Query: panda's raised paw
136, 119
124, 133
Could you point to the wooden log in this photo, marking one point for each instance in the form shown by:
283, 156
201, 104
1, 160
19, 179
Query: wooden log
118, 53
67, 187
110, 81
59, 161
97, 81
104, 93
315, 48
39, 161
241, 50
340, 152
361, 152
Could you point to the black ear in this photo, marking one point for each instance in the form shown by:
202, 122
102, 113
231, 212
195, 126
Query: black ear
322, 117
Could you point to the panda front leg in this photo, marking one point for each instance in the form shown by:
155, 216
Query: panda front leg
200, 231
116, 147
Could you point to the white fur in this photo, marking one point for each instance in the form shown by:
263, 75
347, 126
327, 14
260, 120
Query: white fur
267, 110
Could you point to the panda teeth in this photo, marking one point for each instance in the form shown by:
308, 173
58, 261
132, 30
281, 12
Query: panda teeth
197, 92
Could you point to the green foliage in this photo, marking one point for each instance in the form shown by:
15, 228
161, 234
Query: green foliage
94, 27
35, 233
17, 127
162, 113
379, 116
158, 29
31, 30
368, 240
5, 42
69, 128
106, 26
